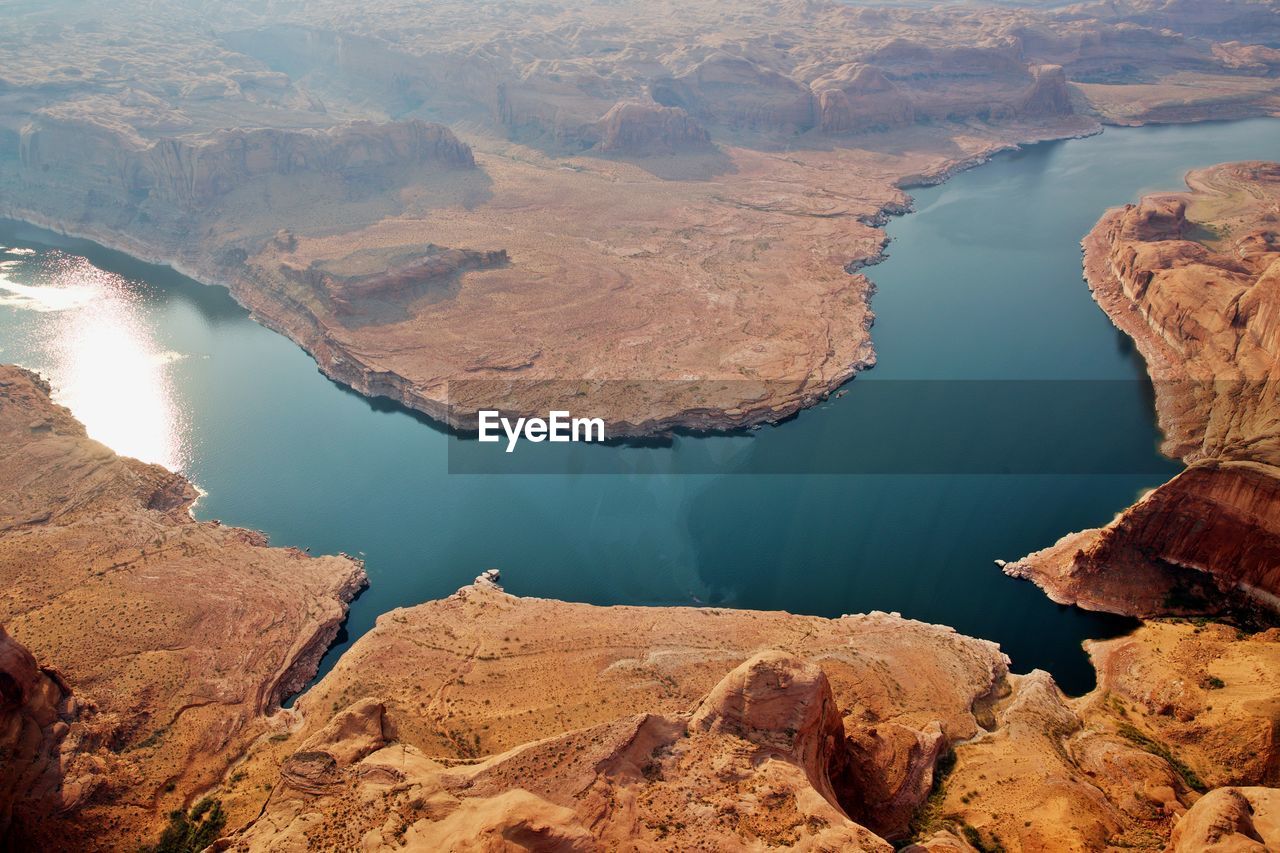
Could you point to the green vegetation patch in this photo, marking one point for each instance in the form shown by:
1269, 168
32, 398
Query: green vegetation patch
1131, 733
191, 832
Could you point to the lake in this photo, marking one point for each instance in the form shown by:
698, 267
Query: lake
982, 286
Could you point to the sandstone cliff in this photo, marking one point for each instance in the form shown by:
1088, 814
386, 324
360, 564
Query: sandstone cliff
193, 171
638, 128
1195, 280
173, 637
36, 708
856, 98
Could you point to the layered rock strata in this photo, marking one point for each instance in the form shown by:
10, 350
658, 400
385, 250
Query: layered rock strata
1194, 279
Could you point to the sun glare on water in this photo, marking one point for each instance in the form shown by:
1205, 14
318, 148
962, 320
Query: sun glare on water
99, 353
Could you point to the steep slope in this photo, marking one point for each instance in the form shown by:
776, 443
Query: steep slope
1194, 279
173, 637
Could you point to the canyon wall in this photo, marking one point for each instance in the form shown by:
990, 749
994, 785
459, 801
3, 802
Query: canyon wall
172, 638
1195, 280
194, 171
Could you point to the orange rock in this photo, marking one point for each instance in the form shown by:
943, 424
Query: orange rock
1230, 820
175, 637
1195, 280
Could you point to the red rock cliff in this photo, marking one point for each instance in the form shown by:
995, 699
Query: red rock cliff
1195, 280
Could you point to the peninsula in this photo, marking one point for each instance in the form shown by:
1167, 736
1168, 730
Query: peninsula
1194, 279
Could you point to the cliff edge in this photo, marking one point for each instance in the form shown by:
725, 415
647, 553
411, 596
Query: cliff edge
1194, 279
172, 639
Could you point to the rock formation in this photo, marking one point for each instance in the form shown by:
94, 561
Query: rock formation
485, 719
193, 171
172, 638
736, 92
1195, 280
36, 708
1231, 819
397, 275
633, 127
856, 98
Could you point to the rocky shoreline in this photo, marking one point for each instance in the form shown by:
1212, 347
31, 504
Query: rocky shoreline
485, 716
432, 199
1192, 279
668, 210
173, 639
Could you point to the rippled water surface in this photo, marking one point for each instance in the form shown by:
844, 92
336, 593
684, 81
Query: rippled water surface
982, 283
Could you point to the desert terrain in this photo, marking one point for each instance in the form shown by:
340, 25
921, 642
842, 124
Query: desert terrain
501, 204
468, 204
162, 641
146, 656
134, 688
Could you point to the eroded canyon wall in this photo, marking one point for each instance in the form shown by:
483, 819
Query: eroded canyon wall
1194, 278
171, 638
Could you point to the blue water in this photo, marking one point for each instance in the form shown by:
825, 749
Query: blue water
983, 282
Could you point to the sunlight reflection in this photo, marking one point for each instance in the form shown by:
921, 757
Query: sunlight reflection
100, 354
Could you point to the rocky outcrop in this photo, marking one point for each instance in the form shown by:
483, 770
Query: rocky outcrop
1047, 94
1195, 280
485, 716
36, 708
1231, 820
857, 97
1198, 691
555, 113
197, 171
770, 728
991, 82
770, 721
891, 770
1194, 545
634, 127
738, 93
1179, 709
785, 706
396, 276
193, 171
175, 637
926, 85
